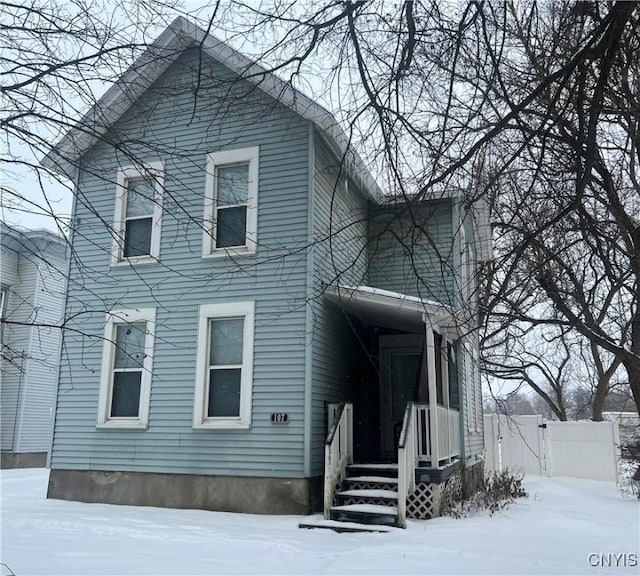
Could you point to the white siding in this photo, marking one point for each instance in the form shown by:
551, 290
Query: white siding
16, 337
44, 354
33, 271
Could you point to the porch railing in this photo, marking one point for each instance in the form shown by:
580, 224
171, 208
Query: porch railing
338, 450
407, 461
447, 446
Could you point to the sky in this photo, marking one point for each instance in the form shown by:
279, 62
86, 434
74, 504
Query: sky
23, 187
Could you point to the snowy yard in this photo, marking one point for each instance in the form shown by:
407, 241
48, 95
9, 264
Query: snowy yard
554, 531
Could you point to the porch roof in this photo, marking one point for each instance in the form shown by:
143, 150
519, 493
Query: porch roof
392, 309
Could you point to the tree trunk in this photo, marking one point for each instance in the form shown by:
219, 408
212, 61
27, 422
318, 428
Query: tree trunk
633, 371
599, 400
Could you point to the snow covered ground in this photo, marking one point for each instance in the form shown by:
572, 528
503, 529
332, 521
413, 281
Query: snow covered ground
554, 531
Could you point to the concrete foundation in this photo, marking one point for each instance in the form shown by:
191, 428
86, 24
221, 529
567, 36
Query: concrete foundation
221, 493
23, 460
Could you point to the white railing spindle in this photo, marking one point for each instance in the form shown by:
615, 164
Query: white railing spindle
407, 461
448, 423
338, 450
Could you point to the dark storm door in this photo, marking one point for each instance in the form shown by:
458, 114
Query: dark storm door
400, 359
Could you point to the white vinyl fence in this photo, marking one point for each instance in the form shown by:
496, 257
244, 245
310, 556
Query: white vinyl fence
532, 445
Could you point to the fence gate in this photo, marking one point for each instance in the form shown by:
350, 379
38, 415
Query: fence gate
516, 442
532, 445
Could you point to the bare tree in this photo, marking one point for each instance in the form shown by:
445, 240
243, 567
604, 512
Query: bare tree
542, 100
536, 360
568, 223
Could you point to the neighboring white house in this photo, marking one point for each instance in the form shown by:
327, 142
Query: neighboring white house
32, 283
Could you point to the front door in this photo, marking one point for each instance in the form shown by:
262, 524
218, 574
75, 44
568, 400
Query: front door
400, 363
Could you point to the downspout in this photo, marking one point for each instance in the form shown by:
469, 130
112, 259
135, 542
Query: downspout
74, 223
462, 400
25, 364
17, 419
308, 331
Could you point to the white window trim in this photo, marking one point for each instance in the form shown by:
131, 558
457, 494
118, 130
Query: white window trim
4, 301
477, 382
215, 160
215, 312
469, 387
115, 318
156, 170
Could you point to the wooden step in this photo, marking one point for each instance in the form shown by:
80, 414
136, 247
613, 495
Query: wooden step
388, 470
366, 514
374, 494
372, 479
344, 526
374, 465
368, 509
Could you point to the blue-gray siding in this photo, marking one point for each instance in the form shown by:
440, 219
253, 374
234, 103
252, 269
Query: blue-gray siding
352, 243
411, 249
416, 250
339, 257
180, 132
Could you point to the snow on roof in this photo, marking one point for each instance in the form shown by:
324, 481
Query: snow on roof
396, 295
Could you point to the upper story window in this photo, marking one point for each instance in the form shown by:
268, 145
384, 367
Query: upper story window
231, 202
127, 363
138, 214
4, 298
4, 302
473, 388
224, 372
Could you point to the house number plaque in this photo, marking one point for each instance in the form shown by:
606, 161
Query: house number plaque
280, 418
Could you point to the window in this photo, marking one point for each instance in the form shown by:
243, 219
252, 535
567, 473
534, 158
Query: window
231, 202
477, 382
4, 302
4, 297
138, 214
470, 388
473, 389
224, 372
127, 362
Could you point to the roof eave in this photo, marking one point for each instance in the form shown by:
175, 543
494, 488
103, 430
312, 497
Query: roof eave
179, 35
63, 157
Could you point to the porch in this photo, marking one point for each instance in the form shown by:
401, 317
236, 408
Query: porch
407, 439
385, 493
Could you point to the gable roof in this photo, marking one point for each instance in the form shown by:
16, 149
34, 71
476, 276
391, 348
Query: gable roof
32, 242
177, 37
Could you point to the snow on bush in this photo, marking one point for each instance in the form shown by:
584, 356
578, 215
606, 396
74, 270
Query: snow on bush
499, 490
630, 465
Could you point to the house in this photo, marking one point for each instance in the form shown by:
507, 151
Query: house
32, 273
248, 314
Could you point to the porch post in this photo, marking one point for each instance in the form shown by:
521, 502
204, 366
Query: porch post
433, 396
445, 392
